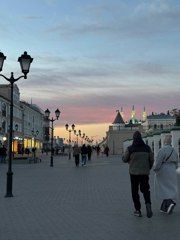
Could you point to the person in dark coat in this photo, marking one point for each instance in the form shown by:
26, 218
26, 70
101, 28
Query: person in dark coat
3, 153
106, 151
98, 149
89, 152
140, 159
84, 152
76, 153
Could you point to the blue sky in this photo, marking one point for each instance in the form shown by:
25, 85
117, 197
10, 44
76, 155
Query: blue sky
94, 57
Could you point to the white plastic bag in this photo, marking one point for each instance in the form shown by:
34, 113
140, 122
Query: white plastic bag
178, 170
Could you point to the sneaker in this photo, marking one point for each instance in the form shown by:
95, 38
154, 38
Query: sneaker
137, 213
170, 208
162, 211
163, 208
148, 210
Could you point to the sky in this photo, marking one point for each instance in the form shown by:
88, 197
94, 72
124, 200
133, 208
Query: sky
91, 58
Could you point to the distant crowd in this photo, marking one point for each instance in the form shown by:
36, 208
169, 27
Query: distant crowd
85, 152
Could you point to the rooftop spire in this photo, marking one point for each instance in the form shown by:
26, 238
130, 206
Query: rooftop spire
118, 119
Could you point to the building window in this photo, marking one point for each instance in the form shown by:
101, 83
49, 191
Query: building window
4, 110
46, 135
3, 126
159, 143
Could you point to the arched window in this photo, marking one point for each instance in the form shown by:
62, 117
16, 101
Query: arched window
3, 126
179, 146
160, 143
4, 110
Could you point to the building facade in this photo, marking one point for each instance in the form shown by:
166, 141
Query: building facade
28, 121
32, 125
156, 140
4, 118
121, 131
159, 122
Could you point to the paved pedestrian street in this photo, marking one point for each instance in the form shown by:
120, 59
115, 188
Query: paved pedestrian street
86, 203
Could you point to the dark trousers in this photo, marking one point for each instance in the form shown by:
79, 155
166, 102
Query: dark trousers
140, 182
76, 159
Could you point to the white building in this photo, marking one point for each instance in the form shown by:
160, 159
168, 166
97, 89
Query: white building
33, 125
119, 132
28, 121
4, 116
158, 122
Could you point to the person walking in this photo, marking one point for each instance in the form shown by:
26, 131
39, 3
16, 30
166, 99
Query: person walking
76, 153
106, 151
3, 153
83, 154
98, 149
89, 152
166, 188
140, 158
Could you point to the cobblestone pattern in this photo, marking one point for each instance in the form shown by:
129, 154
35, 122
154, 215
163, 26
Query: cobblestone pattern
86, 203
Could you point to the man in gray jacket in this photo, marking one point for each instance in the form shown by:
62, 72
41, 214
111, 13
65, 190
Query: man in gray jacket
140, 159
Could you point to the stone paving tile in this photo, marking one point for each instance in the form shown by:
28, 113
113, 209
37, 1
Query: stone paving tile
86, 203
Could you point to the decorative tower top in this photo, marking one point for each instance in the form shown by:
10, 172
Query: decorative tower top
144, 115
118, 122
122, 114
133, 113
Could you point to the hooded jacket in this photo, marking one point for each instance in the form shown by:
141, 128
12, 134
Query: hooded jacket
139, 156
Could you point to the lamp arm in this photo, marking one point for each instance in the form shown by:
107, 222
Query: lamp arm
52, 119
19, 78
1, 75
12, 79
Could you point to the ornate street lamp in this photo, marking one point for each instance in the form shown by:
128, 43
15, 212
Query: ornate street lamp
82, 137
2, 58
25, 61
76, 136
47, 115
69, 130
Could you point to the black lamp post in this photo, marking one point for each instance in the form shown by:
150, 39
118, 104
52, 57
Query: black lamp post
69, 130
47, 114
25, 61
76, 136
83, 136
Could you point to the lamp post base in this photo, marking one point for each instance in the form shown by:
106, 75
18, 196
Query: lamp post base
9, 184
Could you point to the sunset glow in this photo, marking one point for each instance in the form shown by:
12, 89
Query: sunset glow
93, 57
94, 132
